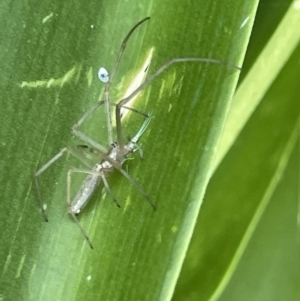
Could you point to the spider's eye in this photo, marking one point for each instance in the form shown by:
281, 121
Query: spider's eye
103, 75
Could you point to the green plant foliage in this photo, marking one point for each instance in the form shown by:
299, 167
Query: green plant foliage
245, 245
50, 53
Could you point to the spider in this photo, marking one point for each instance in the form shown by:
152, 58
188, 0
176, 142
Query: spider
118, 151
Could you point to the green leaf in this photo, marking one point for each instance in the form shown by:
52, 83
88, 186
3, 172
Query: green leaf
245, 245
51, 52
